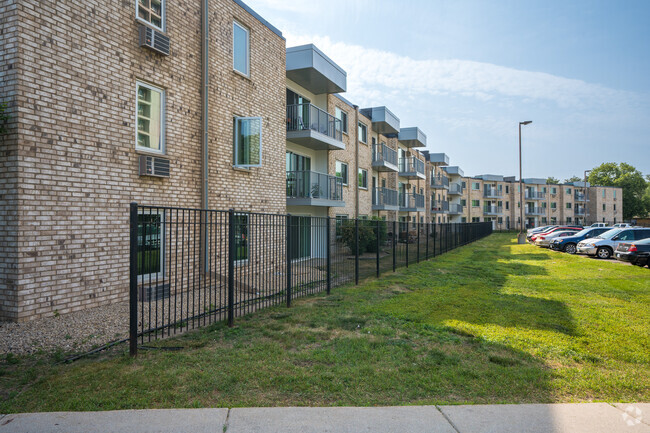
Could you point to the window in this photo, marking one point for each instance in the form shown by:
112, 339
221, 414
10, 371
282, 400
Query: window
342, 171
476, 203
363, 178
543, 220
248, 141
507, 205
553, 190
603, 193
568, 191
151, 12
464, 184
343, 117
150, 130
476, 219
240, 49
553, 205
544, 204
241, 237
603, 207
363, 133
463, 202
614, 193
463, 219
507, 189
544, 189
568, 220
476, 186
568, 205
150, 244
614, 207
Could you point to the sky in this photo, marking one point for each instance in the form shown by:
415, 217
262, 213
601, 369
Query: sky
468, 71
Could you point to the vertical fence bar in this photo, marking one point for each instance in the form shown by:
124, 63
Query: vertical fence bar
426, 254
231, 267
394, 245
434, 240
419, 227
133, 280
408, 241
356, 251
288, 258
328, 234
378, 245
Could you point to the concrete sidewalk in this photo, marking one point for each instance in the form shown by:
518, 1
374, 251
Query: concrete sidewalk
524, 418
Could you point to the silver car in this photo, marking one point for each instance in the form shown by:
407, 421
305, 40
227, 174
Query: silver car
545, 241
603, 246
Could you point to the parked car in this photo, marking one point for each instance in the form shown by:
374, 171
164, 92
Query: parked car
637, 252
622, 225
598, 225
603, 245
554, 229
545, 240
538, 230
569, 244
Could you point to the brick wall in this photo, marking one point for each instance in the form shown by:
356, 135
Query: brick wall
79, 62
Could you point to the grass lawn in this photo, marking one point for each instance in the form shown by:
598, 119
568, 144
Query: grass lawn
491, 322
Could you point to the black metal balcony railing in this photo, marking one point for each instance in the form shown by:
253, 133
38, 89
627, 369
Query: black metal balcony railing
411, 165
535, 211
301, 117
492, 193
535, 195
439, 206
579, 211
381, 152
409, 200
581, 196
310, 184
384, 197
455, 188
492, 210
440, 182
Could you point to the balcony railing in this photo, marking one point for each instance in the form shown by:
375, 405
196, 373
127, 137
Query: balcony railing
492, 210
535, 195
535, 211
492, 193
313, 185
383, 197
439, 206
455, 188
581, 196
580, 211
410, 166
455, 208
409, 200
382, 154
302, 117
440, 182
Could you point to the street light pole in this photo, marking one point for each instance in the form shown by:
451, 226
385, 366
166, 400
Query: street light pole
586, 193
522, 236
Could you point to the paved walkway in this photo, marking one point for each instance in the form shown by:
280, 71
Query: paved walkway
525, 418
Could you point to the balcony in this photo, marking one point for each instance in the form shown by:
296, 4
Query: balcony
383, 158
580, 211
439, 206
536, 211
492, 210
309, 188
313, 127
440, 182
412, 137
492, 193
383, 120
411, 168
409, 202
455, 209
581, 196
437, 158
384, 199
535, 195
310, 68
455, 188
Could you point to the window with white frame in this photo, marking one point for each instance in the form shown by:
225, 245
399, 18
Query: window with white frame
150, 118
240, 48
343, 117
342, 172
476, 186
363, 133
152, 12
247, 142
363, 178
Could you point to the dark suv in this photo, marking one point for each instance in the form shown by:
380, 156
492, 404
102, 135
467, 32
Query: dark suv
568, 244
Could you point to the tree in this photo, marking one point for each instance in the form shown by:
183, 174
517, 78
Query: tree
573, 179
628, 178
552, 181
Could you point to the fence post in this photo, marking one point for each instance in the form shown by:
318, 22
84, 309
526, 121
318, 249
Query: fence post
426, 254
288, 258
419, 226
231, 267
356, 251
394, 245
378, 245
133, 280
328, 262
408, 238
435, 235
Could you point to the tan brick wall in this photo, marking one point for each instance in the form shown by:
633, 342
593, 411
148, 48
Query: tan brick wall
77, 158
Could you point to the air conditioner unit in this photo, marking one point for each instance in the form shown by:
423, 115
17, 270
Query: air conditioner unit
154, 40
153, 166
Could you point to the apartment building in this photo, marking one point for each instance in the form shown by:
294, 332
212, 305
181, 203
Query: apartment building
498, 199
106, 105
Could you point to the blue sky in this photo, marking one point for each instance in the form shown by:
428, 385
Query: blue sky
466, 72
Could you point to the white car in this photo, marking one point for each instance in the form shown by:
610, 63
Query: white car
598, 225
545, 241
604, 245
622, 225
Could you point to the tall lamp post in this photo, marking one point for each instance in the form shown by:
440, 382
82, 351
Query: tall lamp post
586, 193
522, 235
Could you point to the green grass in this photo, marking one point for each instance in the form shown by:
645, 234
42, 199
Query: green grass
493, 322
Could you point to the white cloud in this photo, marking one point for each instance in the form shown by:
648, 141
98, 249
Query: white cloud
370, 69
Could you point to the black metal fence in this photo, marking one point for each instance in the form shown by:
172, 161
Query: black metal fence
191, 268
